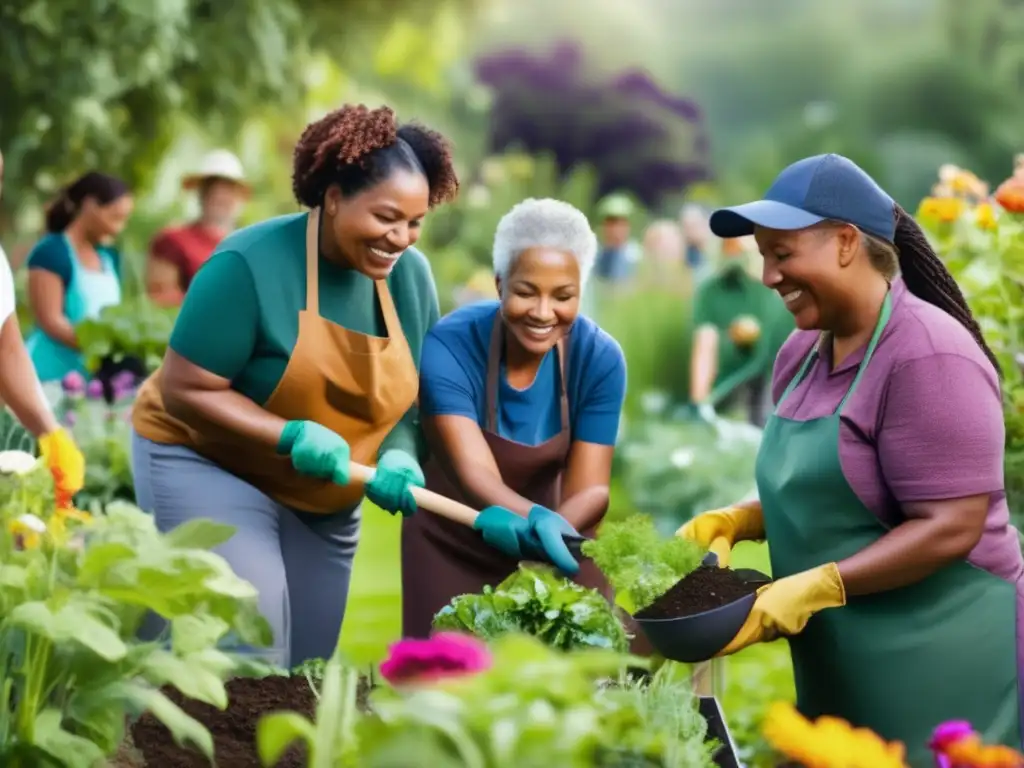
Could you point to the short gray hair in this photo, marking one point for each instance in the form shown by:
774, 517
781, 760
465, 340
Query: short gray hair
544, 223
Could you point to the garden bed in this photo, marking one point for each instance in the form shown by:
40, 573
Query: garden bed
234, 729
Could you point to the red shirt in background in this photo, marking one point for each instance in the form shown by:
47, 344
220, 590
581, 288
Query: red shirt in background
186, 247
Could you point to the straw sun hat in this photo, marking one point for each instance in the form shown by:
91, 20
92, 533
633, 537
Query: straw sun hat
218, 164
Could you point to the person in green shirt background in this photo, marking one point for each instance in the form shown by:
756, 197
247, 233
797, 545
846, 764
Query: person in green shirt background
739, 326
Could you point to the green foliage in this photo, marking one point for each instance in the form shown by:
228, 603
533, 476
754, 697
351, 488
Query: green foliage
676, 467
72, 599
535, 601
538, 707
134, 328
103, 434
640, 563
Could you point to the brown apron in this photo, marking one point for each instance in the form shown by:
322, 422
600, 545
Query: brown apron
442, 559
357, 385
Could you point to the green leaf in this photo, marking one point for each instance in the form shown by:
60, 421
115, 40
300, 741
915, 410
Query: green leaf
185, 729
100, 558
198, 676
71, 623
194, 633
199, 533
276, 731
68, 749
13, 576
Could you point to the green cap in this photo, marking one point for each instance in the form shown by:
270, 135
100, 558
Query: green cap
615, 207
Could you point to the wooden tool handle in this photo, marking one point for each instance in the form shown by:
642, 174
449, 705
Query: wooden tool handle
434, 502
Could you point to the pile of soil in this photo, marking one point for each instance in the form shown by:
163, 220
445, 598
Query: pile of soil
704, 589
234, 729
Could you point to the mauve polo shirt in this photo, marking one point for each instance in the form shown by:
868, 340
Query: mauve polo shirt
925, 423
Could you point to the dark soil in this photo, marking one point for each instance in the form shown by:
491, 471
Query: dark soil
234, 729
704, 589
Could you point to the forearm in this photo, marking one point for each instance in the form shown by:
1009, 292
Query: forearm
60, 329
224, 411
584, 510
907, 554
483, 487
703, 367
19, 385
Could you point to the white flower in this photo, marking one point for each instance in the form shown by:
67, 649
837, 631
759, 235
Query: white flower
30, 522
17, 462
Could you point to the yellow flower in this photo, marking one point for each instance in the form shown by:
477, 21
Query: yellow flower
945, 209
27, 531
58, 524
985, 216
829, 742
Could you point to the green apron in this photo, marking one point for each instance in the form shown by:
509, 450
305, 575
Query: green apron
898, 662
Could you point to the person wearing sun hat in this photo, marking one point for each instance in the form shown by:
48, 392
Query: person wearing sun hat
177, 252
618, 255
899, 580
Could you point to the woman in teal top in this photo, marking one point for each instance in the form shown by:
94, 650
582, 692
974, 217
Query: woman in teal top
73, 271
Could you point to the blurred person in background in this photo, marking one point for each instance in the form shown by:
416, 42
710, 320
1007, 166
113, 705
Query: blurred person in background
618, 255
693, 220
74, 272
521, 399
296, 352
738, 327
177, 252
663, 246
20, 390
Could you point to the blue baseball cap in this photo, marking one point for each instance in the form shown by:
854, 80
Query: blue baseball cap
809, 191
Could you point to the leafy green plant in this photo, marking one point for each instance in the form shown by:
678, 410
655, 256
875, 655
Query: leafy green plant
135, 328
537, 707
72, 598
640, 563
535, 601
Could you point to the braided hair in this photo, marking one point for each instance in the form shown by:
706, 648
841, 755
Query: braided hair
356, 147
924, 274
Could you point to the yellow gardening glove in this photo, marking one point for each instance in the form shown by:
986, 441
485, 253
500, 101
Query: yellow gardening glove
65, 462
720, 529
785, 606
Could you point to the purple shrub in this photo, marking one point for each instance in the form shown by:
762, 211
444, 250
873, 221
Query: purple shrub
636, 136
94, 389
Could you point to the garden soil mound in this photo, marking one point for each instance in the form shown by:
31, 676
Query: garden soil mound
704, 589
234, 729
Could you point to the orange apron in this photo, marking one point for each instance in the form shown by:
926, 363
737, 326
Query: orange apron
357, 385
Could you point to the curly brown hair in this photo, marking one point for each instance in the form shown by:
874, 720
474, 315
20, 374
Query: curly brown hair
357, 147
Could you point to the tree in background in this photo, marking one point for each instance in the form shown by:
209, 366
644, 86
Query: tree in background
104, 84
635, 136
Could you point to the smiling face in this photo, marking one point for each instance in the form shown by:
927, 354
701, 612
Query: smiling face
371, 229
104, 222
813, 271
540, 297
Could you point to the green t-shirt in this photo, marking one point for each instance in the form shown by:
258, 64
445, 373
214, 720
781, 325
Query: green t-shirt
240, 316
726, 296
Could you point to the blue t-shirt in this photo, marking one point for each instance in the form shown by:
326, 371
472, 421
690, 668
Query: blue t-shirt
53, 254
453, 380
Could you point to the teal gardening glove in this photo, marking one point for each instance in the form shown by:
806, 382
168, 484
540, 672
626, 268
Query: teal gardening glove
315, 451
537, 537
389, 488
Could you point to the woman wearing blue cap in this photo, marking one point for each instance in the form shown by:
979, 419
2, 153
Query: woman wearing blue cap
899, 580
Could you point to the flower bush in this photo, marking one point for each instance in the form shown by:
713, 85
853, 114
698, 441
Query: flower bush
957, 745
828, 742
981, 240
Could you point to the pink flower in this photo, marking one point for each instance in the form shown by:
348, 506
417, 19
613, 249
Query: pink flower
73, 383
446, 654
950, 732
94, 389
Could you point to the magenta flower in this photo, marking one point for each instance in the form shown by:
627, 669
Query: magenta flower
946, 734
446, 654
94, 389
73, 383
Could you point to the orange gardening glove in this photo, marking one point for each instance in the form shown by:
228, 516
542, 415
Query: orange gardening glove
65, 462
784, 607
720, 529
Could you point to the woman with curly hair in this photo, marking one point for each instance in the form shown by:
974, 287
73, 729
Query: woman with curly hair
296, 351
521, 399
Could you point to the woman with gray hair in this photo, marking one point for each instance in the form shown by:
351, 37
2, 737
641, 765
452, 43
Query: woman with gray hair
520, 400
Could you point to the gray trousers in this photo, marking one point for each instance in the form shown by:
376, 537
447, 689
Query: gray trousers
300, 563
